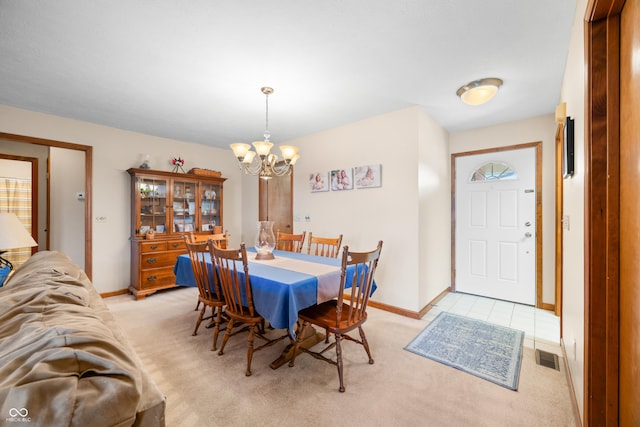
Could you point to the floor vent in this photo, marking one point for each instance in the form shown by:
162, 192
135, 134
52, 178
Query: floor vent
550, 360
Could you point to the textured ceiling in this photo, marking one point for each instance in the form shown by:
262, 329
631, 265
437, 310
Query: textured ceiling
192, 70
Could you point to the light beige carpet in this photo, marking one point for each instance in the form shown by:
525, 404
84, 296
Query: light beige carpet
400, 389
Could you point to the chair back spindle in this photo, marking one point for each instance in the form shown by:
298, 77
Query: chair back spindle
236, 287
208, 284
290, 242
358, 284
324, 246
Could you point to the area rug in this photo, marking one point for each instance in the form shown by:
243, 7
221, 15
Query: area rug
479, 348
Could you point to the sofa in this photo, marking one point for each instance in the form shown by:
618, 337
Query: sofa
64, 361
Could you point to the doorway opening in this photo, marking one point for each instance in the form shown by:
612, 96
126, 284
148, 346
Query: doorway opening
513, 256
87, 152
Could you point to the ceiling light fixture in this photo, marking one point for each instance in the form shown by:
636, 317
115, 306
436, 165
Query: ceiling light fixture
479, 91
266, 164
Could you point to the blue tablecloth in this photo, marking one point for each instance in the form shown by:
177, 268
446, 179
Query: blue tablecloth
278, 294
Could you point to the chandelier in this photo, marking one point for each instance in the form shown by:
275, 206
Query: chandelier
265, 164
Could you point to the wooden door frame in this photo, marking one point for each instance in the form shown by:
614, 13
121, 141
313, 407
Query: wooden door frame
559, 219
538, 149
88, 165
602, 195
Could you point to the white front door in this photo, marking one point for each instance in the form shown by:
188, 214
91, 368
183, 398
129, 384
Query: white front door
495, 225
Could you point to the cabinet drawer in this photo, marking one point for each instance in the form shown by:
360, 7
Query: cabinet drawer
156, 260
174, 245
153, 247
157, 277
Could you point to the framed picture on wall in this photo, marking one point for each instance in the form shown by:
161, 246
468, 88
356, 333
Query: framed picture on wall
368, 176
319, 181
342, 179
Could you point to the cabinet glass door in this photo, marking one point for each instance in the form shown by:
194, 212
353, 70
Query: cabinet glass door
184, 206
210, 205
153, 205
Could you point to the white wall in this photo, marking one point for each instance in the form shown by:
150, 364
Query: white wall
573, 192
249, 209
114, 151
408, 212
15, 169
434, 190
542, 128
66, 219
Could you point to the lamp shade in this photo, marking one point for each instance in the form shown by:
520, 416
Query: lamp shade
13, 234
240, 150
288, 151
262, 147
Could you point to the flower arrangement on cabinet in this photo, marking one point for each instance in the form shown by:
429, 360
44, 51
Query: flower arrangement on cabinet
177, 163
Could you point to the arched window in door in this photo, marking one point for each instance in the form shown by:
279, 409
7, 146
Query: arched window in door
493, 171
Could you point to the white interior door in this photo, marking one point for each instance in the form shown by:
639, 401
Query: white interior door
495, 205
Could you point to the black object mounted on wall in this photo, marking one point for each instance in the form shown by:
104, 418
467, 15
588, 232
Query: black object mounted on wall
568, 149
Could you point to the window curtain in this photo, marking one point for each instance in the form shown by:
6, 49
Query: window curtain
15, 197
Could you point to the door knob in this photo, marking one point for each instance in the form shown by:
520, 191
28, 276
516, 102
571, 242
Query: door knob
527, 234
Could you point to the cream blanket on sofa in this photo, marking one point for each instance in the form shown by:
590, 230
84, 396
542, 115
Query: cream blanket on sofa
63, 359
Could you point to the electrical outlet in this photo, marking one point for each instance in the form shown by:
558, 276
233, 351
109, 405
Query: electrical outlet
565, 222
307, 218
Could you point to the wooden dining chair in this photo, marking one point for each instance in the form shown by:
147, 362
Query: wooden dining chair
347, 312
221, 239
324, 246
208, 286
290, 242
233, 271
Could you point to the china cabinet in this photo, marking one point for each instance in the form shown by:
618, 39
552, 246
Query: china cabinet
164, 207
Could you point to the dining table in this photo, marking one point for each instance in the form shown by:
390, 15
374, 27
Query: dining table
282, 287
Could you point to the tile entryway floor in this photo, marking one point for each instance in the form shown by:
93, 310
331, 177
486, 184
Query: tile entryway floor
541, 327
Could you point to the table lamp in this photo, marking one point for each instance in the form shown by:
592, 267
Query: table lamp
12, 235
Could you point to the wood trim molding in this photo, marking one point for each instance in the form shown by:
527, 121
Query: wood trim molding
559, 221
572, 390
549, 307
601, 235
539, 237
88, 173
602, 9
395, 310
114, 293
408, 313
